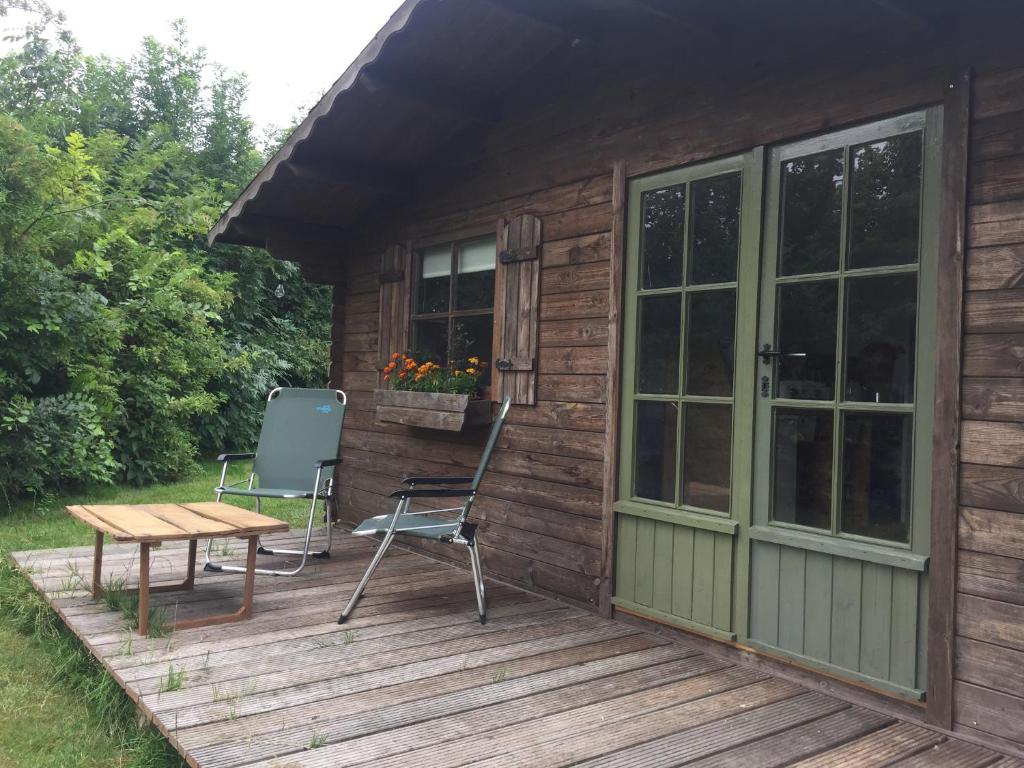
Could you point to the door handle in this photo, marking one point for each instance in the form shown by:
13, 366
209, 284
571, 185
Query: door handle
767, 354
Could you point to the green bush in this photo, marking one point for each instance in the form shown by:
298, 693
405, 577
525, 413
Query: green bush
127, 346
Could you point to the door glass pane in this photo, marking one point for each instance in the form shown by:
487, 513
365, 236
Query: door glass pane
877, 455
707, 451
881, 319
807, 327
655, 468
710, 337
885, 208
802, 471
812, 205
430, 341
435, 278
661, 238
475, 286
716, 229
658, 350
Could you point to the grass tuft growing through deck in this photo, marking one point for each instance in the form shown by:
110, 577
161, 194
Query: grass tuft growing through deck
60, 709
88, 718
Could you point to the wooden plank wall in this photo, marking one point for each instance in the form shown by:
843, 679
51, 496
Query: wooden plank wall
541, 503
988, 692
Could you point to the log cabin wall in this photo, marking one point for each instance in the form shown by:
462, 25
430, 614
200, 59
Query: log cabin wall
988, 694
541, 506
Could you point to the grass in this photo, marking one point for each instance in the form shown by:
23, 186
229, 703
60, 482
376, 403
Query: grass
58, 707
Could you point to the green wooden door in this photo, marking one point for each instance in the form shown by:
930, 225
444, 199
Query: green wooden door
840, 532
777, 392
687, 413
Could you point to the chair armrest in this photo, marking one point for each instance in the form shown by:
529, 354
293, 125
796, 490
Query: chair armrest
236, 456
436, 480
324, 463
433, 493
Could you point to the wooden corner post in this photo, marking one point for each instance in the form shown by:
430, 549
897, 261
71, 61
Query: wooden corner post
946, 435
611, 447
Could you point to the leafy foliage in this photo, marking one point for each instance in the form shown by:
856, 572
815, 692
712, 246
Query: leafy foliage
127, 345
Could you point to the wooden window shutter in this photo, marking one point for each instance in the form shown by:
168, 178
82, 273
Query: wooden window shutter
518, 292
393, 331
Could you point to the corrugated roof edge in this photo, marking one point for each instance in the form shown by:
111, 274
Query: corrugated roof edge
398, 21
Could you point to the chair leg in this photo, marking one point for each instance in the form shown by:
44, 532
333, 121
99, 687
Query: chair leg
478, 580
388, 538
304, 553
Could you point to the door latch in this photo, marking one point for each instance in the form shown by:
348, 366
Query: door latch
767, 354
765, 386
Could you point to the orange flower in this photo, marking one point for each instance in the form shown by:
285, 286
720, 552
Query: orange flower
402, 375
471, 371
395, 356
474, 360
387, 377
458, 373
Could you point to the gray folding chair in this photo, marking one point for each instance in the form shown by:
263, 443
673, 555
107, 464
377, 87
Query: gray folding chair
299, 439
421, 525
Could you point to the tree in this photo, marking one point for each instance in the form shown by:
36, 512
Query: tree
129, 346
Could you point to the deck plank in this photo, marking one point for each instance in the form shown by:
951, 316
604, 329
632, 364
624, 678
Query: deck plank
414, 679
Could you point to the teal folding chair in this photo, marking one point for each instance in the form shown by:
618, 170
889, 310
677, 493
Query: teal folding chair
422, 525
300, 438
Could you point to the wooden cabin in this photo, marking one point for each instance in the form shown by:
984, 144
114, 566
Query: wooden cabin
751, 273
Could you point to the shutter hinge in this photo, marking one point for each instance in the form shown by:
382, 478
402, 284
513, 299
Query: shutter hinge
523, 253
514, 364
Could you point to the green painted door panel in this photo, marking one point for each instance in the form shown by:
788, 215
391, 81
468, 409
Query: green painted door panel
675, 573
847, 616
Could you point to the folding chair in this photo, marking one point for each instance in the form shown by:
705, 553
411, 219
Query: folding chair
299, 439
421, 525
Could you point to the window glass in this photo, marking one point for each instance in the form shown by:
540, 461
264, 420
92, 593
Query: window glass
716, 229
655, 467
474, 288
885, 206
881, 321
430, 341
812, 212
710, 337
806, 338
435, 279
802, 476
877, 456
707, 455
661, 237
658, 348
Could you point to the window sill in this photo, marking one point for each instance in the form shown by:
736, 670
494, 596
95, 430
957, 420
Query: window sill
855, 550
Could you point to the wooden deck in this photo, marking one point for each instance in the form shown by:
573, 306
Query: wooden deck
414, 680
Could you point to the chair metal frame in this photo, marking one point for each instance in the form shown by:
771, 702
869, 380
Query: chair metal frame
451, 531
321, 491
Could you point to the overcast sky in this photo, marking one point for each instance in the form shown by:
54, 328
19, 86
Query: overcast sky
291, 51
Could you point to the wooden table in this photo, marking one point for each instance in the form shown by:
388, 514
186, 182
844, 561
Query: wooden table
150, 525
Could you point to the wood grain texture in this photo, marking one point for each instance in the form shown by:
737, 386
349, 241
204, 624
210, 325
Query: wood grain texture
541, 683
946, 416
616, 293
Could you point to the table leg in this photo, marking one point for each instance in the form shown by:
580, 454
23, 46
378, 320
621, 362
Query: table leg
97, 566
144, 588
190, 579
250, 578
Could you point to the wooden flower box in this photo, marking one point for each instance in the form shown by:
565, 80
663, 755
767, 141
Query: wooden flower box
431, 410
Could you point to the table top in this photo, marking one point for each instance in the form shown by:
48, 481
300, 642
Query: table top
174, 522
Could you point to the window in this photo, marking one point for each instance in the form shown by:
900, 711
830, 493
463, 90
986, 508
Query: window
843, 364
682, 309
453, 310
